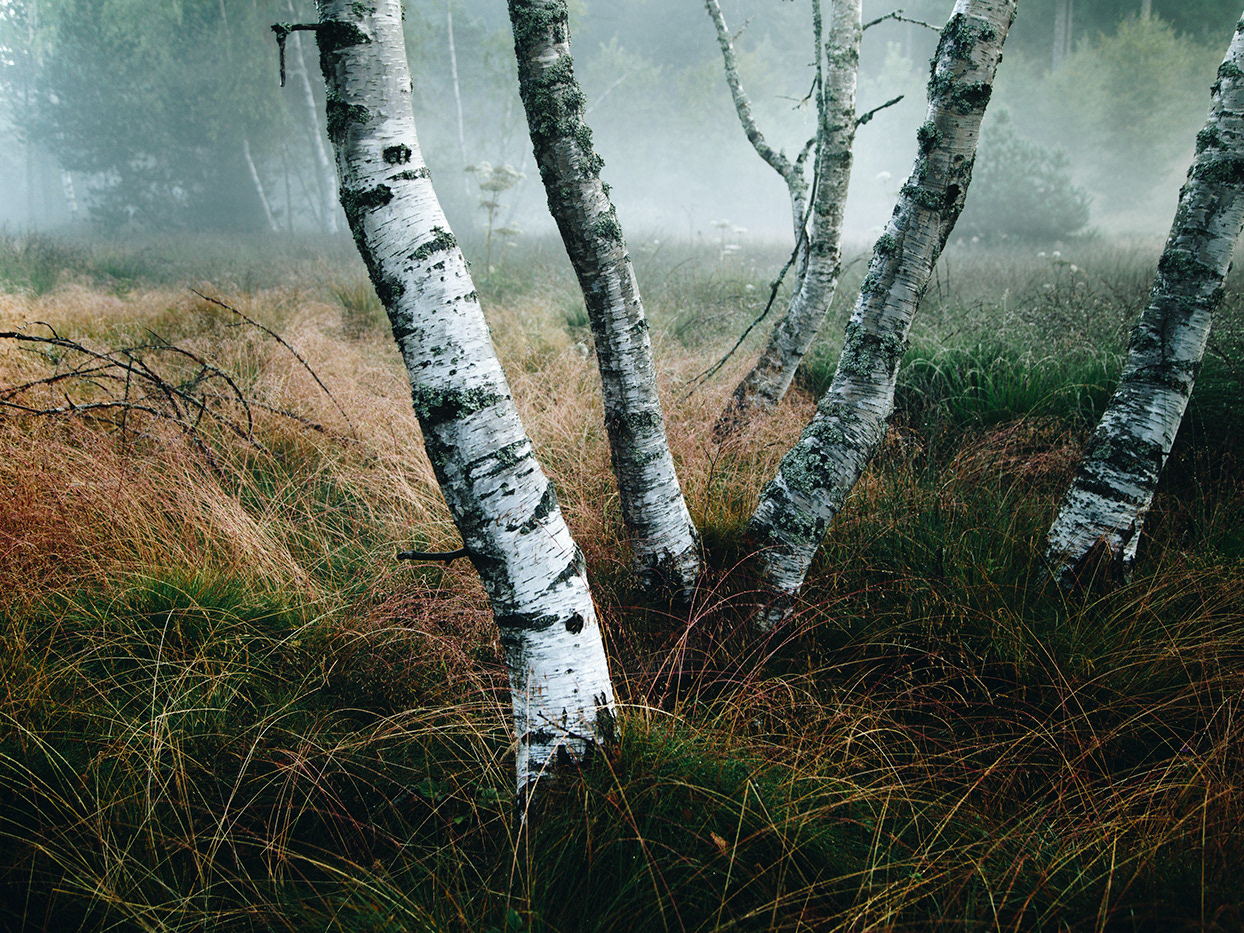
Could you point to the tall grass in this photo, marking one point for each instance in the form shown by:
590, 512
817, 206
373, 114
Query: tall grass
225, 706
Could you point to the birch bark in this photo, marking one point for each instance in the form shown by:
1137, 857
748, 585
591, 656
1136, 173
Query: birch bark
1115, 482
663, 538
504, 507
766, 384
850, 422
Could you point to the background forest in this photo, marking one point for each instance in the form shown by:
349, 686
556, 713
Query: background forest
151, 109
225, 705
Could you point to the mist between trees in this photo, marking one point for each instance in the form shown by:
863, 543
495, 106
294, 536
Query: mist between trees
168, 115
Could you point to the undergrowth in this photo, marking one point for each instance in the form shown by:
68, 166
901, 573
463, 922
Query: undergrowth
225, 705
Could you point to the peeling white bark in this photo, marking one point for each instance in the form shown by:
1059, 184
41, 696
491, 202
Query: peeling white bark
504, 507
663, 538
1115, 483
815, 476
767, 382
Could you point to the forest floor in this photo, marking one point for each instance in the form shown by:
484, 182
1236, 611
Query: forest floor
224, 705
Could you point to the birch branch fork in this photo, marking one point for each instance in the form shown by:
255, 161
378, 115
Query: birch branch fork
791, 172
815, 477
767, 382
664, 540
1114, 484
505, 509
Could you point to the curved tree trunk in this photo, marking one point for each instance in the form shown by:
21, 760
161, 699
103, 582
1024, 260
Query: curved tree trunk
504, 507
663, 538
766, 384
850, 422
791, 172
1113, 488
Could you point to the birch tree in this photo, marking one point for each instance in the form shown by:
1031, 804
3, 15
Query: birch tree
1114, 484
819, 257
663, 538
814, 478
504, 507
325, 179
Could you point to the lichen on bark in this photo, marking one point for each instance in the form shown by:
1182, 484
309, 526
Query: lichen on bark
1105, 508
502, 504
850, 422
664, 541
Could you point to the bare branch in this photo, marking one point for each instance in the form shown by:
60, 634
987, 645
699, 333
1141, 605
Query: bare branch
279, 339
606, 92
443, 556
899, 18
776, 160
865, 117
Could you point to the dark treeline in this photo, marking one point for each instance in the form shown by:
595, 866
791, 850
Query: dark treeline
169, 115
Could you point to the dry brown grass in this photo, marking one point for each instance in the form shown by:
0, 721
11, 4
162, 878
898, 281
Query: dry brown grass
939, 741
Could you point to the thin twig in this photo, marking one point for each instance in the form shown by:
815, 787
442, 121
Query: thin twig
443, 556
899, 18
773, 290
279, 339
865, 117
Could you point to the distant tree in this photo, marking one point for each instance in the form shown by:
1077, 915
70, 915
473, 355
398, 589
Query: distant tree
160, 104
814, 478
1114, 486
1131, 98
305, 112
503, 505
1022, 190
663, 538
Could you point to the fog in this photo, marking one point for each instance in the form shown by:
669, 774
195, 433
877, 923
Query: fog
153, 115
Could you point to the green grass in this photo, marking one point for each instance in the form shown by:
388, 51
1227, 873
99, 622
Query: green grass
225, 707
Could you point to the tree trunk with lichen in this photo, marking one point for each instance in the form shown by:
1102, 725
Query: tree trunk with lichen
815, 477
768, 380
504, 507
1114, 485
663, 538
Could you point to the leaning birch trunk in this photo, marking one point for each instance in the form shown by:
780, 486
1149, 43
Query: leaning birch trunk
766, 384
850, 421
258, 183
504, 507
663, 538
1114, 485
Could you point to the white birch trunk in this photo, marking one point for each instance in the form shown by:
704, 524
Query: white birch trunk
767, 382
663, 538
453, 73
71, 197
258, 183
326, 176
1114, 485
504, 507
1061, 27
850, 422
